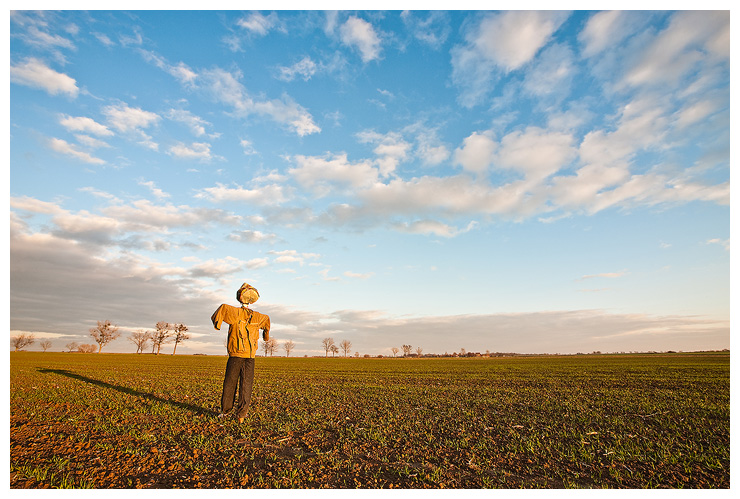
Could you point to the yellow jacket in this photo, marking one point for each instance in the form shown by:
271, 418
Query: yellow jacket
244, 329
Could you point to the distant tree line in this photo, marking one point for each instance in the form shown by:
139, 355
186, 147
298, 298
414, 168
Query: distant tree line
164, 332
329, 346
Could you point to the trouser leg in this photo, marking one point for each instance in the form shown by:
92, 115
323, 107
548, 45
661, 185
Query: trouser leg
231, 378
246, 380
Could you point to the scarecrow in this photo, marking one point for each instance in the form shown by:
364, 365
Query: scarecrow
244, 325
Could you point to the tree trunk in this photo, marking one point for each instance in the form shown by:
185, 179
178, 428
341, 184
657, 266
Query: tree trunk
173, 351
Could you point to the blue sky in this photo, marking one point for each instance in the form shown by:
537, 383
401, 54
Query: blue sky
519, 181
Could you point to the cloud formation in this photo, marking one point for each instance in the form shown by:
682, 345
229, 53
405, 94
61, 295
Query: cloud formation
34, 73
360, 34
64, 147
499, 43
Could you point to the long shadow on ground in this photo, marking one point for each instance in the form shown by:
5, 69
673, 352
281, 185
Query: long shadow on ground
129, 391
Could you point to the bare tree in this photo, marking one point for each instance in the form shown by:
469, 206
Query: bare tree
161, 335
327, 343
71, 346
334, 350
346, 346
181, 335
462, 352
288, 346
394, 350
46, 344
272, 346
418, 351
104, 333
406, 350
139, 338
22, 341
86, 348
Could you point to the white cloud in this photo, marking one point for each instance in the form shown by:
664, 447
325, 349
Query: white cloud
607, 275
33, 205
252, 236
431, 153
157, 192
581, 189
84, 124
218, 268
196, 150
551, 74
181, 71
34, 73
133, 39
127, 119
391, 148
64, 147
87, 227
476, 154
183, 74
428, 147
433, 227
536, 152
293, 256
696, 112
605, 179
643, 123
98, 193
226, 88
725, 243
691, 38
513, 38
91, 142
332, 20
257, 23
432, 30
322, 174
358, 33
604, 30
304, 69
452, 196
257, 263
544, 184
497, 44
104, 39
44, 40
288, 112
247, 147
143, 215
196, 124
267, 195
37, 33
324, 273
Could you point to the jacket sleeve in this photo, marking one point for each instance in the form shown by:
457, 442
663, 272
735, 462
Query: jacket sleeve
265, 326
218, 316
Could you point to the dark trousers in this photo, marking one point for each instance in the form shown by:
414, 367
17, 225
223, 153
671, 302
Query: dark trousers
238, 371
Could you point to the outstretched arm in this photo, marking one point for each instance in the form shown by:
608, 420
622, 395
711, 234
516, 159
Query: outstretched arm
265, 326
218, 316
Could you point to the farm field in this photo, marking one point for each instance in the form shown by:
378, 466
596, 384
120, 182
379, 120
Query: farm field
592, 421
